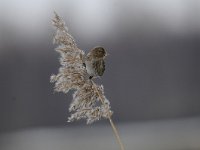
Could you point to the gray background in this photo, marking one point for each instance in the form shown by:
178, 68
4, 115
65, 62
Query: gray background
152, 72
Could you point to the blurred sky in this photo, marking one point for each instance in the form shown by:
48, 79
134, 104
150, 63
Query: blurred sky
152, 71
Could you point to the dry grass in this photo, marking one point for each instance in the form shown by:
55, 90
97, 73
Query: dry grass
73, 75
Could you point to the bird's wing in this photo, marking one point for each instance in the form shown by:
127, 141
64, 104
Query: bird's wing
99, 66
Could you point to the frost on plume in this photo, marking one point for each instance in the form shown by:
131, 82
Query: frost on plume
89, 101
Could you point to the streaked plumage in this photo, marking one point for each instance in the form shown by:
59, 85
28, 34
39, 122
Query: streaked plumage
95, 64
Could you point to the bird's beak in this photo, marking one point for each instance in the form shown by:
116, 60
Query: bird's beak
107, 54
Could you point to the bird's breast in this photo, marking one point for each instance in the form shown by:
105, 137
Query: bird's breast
90, 69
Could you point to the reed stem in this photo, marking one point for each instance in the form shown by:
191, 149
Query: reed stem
111, 122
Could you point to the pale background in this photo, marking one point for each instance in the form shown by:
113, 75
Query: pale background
152, 76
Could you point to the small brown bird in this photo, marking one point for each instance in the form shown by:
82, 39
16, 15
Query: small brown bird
94, 62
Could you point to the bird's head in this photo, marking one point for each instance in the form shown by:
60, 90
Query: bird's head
99, 52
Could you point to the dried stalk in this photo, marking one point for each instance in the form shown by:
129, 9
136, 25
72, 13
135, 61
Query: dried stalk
73, 75
111, 122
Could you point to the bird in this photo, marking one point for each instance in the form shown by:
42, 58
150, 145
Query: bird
95, 62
